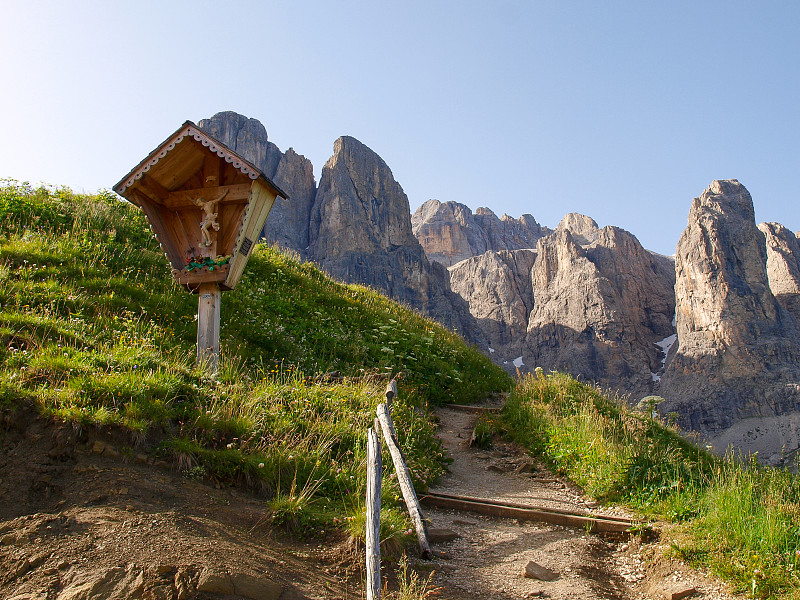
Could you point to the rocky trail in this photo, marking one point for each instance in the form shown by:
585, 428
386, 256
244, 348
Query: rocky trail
488, 555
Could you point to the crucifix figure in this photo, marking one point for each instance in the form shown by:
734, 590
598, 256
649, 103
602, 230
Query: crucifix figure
209, 217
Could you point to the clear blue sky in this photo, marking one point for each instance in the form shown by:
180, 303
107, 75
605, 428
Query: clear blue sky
620, 110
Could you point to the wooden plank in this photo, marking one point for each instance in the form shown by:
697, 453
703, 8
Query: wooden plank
541, 514
226, 240
208, 312
255, 215
236, 194
625, 520
373, 525
180, 164
159, 227
391, 392
472, 409
263, 200
152, 189
183, 228
404, 479
211, 171
198, 276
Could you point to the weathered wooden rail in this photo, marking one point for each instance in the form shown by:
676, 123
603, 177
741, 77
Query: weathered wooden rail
384, 424
473, 409
555, 516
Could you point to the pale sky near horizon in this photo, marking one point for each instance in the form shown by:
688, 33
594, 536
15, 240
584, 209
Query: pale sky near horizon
623, 111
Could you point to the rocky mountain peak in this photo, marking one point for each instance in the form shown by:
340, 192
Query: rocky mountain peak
583, 228
450, 232
783, 265
737, 356
727, 196
247, 137
357, 187
360, 232
722, 288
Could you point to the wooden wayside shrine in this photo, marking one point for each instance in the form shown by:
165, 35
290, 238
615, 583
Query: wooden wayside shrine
207, 206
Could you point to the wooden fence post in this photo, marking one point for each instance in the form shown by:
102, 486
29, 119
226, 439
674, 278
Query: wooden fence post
391, 393
404, 479
374, 472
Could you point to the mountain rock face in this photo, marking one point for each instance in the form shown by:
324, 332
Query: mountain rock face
783, 265
288, 220
737, 356
449, 232
498, 289
584, 229
360, 232
246, 137
596, 310
601, 308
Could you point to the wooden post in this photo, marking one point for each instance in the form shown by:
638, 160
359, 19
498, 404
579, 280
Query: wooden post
391, 393
374, 472
404, 479
208, 326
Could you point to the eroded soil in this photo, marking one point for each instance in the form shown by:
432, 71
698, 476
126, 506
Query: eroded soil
82, 517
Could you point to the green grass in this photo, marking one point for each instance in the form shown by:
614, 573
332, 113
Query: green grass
94, 331
734, 516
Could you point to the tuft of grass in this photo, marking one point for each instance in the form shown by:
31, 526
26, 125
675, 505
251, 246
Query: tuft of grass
483, 432
396, 531
294, 510
410, 586
731, 514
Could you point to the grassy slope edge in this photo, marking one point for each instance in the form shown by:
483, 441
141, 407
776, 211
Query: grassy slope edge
732, 515
94, 332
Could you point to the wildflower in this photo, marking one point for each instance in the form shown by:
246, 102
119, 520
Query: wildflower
260, 465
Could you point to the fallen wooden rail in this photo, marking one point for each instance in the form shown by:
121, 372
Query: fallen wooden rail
473, 409
404, 479
588, 522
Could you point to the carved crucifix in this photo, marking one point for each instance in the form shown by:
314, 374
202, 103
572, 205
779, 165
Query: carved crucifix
209, 218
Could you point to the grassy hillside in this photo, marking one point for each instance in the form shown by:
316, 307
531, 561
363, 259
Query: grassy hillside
734, 516
95, 332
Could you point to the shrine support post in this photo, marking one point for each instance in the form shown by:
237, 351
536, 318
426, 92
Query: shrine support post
208, 311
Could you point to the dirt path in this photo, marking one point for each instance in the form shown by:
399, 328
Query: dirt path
488, 558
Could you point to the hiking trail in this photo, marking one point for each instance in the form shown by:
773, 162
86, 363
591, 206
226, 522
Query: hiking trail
488, 558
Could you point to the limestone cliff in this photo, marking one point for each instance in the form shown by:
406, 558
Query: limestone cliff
596, 310
584, 229
737, 356
449, 232
783, 265
288, 220
600, 309
360, 232
497, 288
